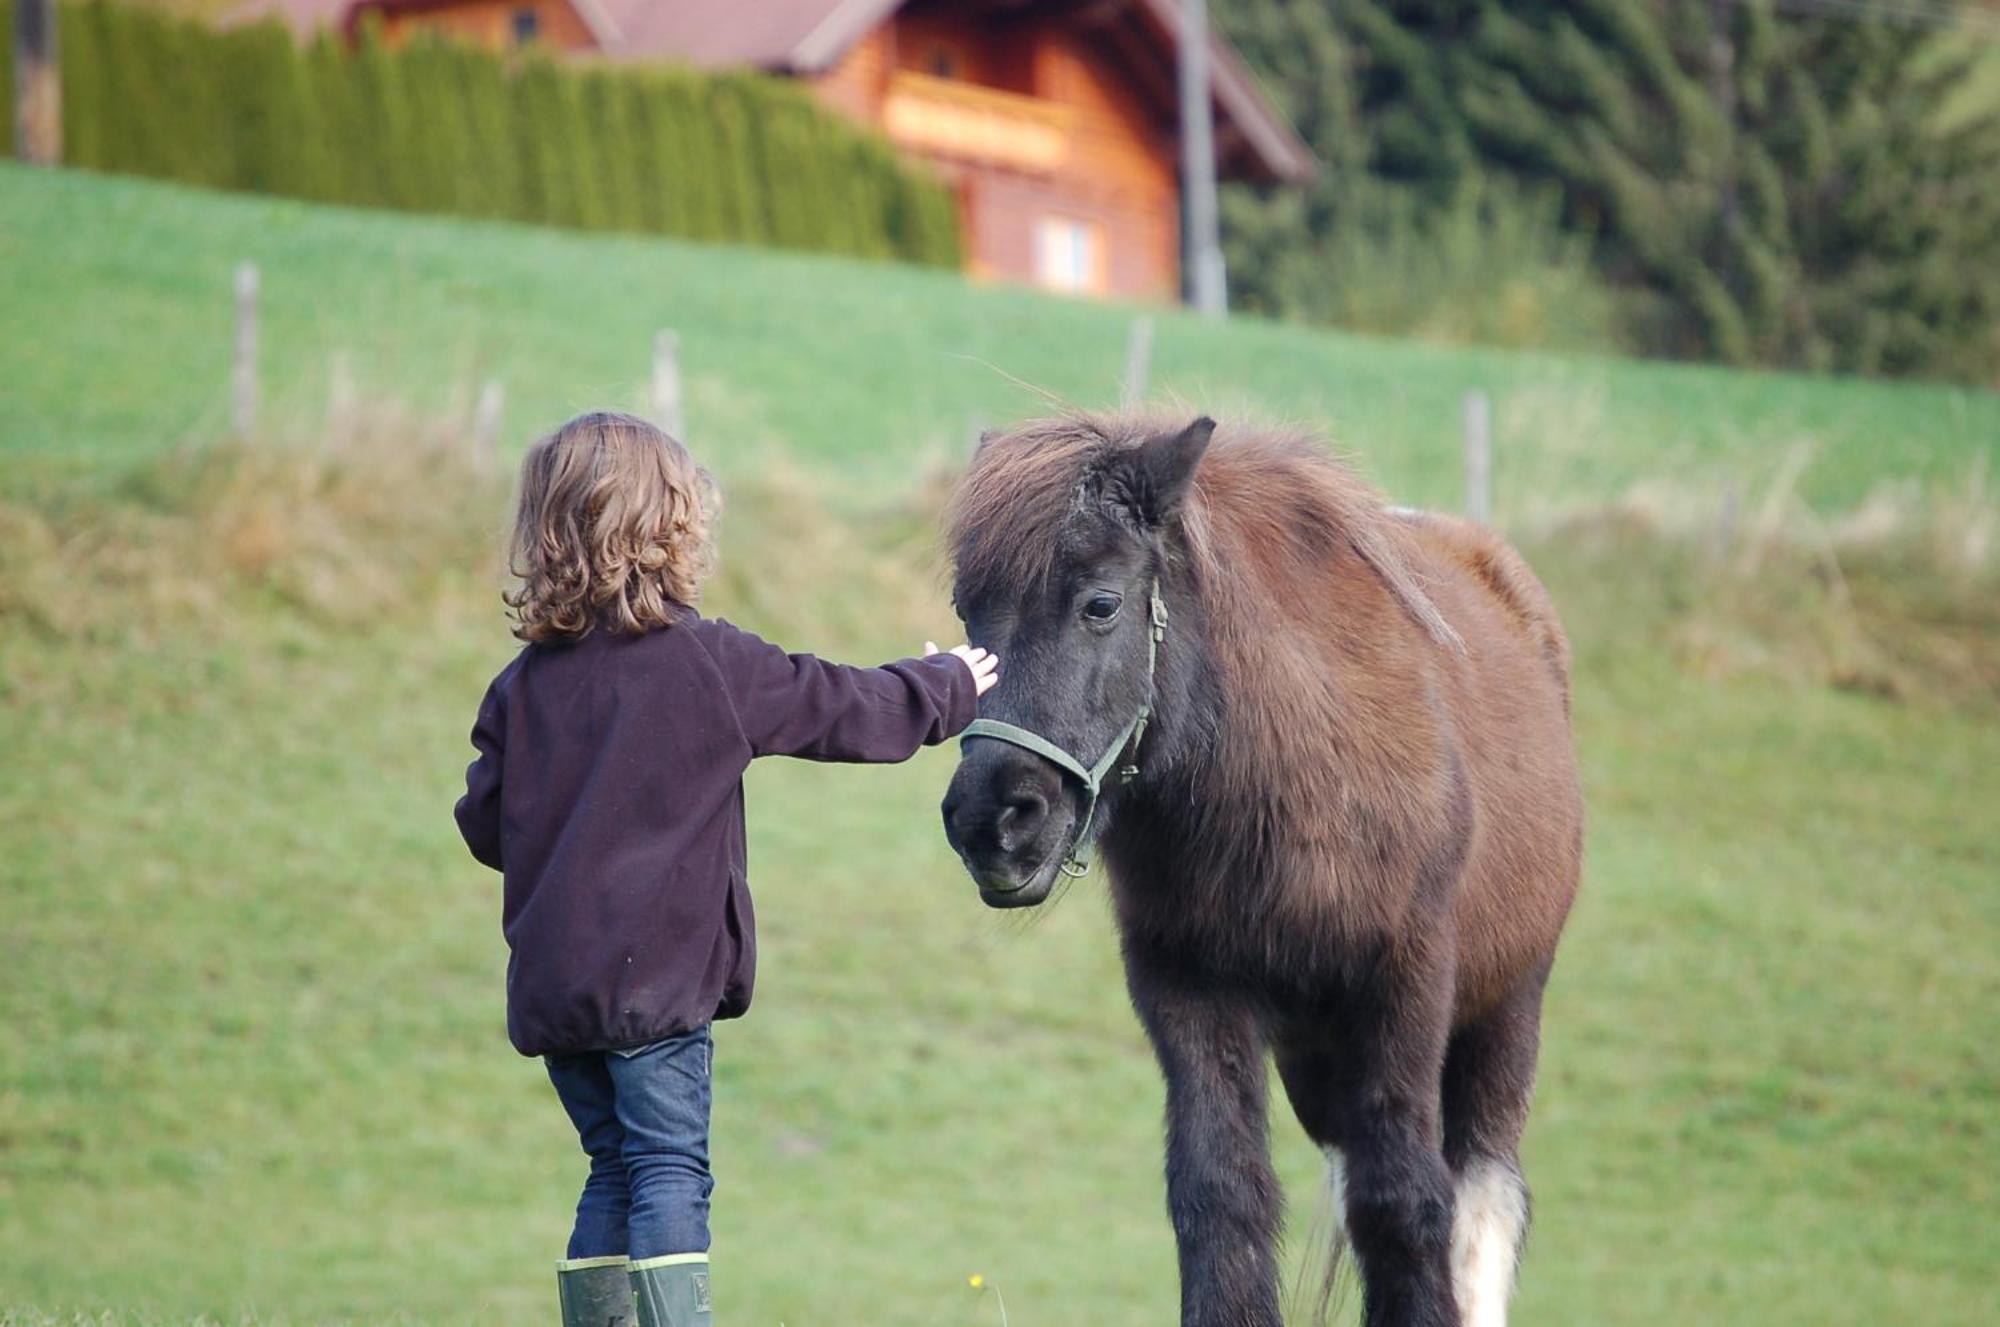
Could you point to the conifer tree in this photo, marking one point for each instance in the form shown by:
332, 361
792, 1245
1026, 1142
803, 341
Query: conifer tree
537, 117
1769, 188
325, 168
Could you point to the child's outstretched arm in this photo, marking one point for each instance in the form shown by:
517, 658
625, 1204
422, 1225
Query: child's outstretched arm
797, 705
478, 812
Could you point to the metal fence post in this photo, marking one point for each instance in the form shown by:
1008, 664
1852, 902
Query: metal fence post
1478, 456
667, 384
486, 414
243, 400
1138, 361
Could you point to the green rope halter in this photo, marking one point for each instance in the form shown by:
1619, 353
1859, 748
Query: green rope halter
1077, 862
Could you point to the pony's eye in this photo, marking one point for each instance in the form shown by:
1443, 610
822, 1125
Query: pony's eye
1102, 608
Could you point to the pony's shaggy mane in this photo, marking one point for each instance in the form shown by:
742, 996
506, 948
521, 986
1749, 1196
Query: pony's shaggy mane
1261, 494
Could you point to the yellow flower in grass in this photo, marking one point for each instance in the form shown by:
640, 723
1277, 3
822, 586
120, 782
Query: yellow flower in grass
975, 1280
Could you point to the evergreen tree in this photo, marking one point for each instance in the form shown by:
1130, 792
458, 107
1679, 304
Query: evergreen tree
538, 119
262, 113
481, 86
634, 99
325, 170
372, 141
1768, 188
737, 161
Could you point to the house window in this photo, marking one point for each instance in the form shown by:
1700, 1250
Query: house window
527, 25
1069, 255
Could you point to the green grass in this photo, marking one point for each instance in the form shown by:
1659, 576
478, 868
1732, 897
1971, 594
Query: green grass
252, 1063
115, 335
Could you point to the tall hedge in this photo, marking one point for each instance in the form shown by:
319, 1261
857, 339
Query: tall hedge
436, 126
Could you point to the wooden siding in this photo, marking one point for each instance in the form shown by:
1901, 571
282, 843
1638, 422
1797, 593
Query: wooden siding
857, 85
490, 23
1116, 172
1121, 170
1031, 119
959, 121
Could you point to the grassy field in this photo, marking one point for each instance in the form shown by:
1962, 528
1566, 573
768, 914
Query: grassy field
252, 1064
116, 323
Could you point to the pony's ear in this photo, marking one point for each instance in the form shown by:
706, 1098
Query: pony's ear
1162, 469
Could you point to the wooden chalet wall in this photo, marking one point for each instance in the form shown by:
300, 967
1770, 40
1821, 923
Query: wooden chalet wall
491, 23
1037, 122
1032, 119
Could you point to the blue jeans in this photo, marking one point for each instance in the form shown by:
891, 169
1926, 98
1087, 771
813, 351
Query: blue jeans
642, 1117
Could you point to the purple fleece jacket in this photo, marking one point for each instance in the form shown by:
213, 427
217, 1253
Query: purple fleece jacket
609, 793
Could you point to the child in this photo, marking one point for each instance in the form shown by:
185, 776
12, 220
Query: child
608, 792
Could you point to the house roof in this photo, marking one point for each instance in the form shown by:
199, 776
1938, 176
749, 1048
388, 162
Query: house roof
810, 37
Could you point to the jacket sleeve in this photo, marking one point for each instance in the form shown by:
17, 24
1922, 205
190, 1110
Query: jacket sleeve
478, 812
797, 705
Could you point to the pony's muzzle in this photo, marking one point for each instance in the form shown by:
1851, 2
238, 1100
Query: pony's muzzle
1007, 815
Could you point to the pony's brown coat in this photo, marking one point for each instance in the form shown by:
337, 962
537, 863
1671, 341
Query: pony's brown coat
1351, 840
1370, 657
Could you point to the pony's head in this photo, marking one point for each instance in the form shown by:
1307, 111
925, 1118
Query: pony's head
1060, 536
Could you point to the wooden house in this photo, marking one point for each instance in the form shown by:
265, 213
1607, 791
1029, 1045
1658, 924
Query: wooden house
1054, 120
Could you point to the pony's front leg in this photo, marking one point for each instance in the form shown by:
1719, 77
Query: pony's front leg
1221, 1191
1399, 1189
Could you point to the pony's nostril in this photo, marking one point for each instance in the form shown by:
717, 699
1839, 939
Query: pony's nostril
1020, 816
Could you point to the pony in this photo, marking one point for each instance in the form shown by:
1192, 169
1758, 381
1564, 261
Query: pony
1324, 748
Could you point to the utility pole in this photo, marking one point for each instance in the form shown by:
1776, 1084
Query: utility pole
37, 84
1202, 243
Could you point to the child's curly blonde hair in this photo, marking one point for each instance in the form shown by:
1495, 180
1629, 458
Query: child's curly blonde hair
612, 530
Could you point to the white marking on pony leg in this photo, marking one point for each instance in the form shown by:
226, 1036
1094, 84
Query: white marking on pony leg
1490, 1216
1336, 1188
1328, 1241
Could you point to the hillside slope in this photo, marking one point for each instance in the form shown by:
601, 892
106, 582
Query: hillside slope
115, 336
252, 1063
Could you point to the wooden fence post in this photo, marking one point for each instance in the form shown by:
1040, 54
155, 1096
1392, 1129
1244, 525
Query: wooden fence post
486, 424
667, 384
1723, 535
243, 404
1478, 456
1138, 360
342, 400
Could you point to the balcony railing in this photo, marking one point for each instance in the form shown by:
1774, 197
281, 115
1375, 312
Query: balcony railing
966, 122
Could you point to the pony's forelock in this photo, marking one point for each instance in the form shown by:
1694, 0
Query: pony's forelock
1005, 520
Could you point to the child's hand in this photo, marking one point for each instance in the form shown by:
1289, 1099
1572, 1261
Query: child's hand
985, 667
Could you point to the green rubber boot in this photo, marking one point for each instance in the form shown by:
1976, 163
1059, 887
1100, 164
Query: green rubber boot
596, 1292
672, 1291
